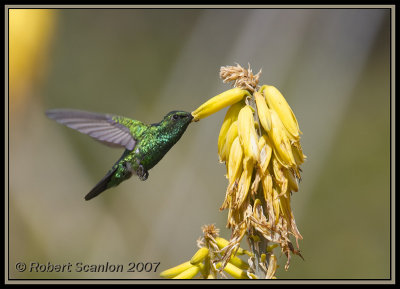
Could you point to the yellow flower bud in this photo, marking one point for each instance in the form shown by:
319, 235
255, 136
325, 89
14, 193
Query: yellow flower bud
230, 137
219, 102
199, 256
267, 185
234, 271
282, 146
265, 148
234, 260
276, 204
235, 161
247, 133
277, 102
172, 272
263, 112
222, 243
280, 176
230, 116
188, 273
245, 181
284, 205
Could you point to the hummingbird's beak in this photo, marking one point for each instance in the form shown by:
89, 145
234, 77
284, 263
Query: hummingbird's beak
193, 119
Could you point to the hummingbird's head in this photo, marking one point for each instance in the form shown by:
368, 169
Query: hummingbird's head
176, 122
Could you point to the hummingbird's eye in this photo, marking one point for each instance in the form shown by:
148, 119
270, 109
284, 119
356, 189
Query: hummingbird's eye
175, 116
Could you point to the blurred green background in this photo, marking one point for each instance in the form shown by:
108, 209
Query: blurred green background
332, 65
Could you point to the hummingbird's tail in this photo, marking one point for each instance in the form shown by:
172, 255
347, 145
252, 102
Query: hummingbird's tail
102, 185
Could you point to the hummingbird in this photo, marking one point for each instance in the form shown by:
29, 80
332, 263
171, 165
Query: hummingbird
145, 145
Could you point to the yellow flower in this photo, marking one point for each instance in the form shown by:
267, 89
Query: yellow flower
234, 271
30, 36
219, 102
282, 146
175, 271
223, 243
244, 182
188, 273
278, 103
235, 161
263, 111
230, 137
230, 117
199, 256
247, 133
265, 147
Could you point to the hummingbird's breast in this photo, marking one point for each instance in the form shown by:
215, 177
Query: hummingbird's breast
152, 148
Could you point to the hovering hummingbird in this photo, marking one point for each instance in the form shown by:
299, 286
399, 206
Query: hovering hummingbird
145, 145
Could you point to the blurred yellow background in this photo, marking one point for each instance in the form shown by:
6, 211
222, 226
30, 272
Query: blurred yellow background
332, 65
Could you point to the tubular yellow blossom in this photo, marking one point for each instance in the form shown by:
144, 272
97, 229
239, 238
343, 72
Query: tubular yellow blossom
263, 112
279, 175
234, 271
245, 181
235, 161
282, 146
278, 103
219, 102
230, 116
285, 209
267, 185
247, 133
222, 243
234, 260
199, 256
265, 148
188, 273
175, 271
230, 137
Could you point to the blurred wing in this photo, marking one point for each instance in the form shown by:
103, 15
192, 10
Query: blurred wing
101, 127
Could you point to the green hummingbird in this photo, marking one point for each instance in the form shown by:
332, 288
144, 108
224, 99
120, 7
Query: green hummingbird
145, 145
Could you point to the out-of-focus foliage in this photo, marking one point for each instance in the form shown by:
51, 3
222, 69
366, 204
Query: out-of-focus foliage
30, 36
